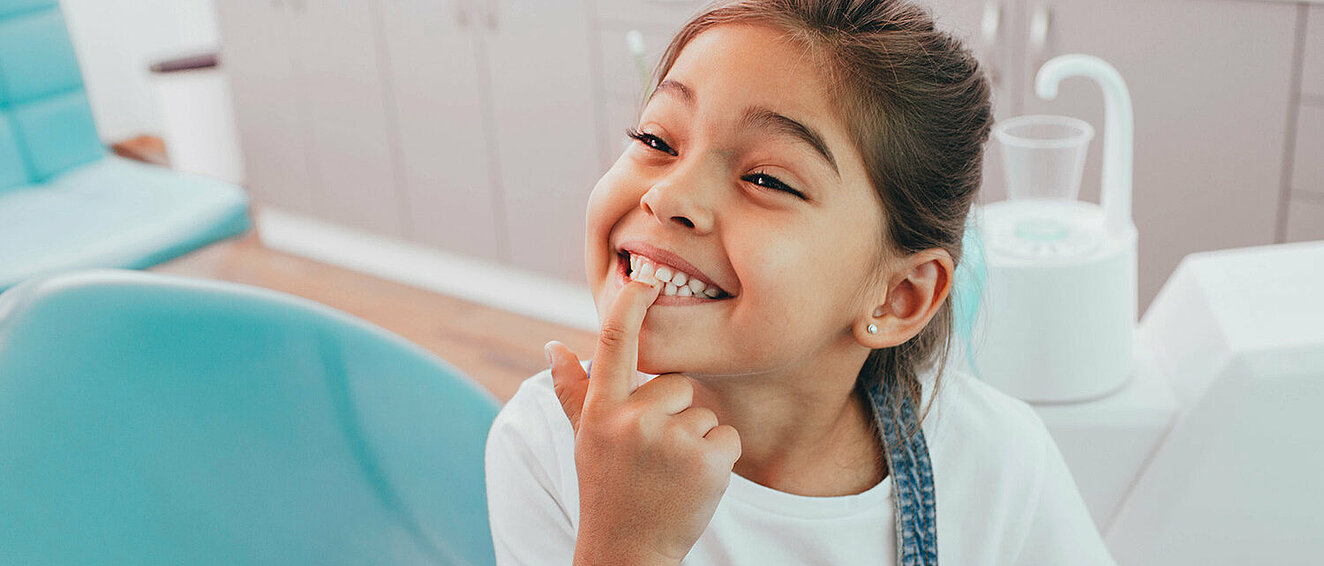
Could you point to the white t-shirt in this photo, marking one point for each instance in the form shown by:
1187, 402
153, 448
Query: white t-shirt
1004, 494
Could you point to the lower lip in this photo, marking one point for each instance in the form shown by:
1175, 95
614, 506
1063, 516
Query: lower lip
663, 300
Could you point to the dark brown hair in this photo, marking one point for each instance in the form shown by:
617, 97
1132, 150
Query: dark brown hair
916, 104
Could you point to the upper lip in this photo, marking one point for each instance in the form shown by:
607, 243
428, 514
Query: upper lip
665, 257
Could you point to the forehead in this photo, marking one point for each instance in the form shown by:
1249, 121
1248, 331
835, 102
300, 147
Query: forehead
735, 66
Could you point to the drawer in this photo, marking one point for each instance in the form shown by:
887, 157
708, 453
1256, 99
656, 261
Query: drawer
666, 13
1305, 219
620, 74
1312, 66
1308, 162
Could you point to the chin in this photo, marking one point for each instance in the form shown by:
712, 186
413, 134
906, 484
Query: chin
657, 360
653, 359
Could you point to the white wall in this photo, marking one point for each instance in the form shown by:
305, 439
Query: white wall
117, 41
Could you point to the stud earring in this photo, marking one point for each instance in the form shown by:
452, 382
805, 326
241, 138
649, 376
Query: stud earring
873, 329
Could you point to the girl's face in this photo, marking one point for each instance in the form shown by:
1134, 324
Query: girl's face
741, 120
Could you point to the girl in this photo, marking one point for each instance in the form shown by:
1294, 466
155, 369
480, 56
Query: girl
771, 262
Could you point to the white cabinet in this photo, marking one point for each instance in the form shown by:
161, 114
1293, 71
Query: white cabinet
349, 143
618, 82
309, 101
542, 104
494, 111
1305, 219
268, 103
468, 125
436, 81
1305, 182
621, 85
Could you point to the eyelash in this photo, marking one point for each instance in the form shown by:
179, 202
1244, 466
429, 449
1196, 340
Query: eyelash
648, 139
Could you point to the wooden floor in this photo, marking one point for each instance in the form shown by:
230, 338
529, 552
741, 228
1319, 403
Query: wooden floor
497, 348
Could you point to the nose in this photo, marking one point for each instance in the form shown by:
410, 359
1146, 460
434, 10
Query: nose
680, 197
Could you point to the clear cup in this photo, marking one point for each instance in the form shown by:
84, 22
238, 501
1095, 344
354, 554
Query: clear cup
1043, 156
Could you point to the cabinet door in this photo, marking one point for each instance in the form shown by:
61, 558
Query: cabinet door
350, 149
622, 88
257, 56
993, 30
1210, 86
539, 54
437, 106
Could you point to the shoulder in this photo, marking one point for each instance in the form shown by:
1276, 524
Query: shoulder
971, 412
531, 430
992, 458
533, 413
987, 445
531, 442
532, 495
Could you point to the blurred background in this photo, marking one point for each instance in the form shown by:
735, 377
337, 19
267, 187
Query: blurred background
477, 128
424, 165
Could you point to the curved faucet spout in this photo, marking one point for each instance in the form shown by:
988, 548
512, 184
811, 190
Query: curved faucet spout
1118, 133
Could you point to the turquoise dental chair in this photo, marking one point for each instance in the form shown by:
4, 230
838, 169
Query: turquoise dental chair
66, 204
155, 419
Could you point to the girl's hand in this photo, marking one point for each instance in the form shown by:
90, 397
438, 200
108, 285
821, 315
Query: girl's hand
651, 467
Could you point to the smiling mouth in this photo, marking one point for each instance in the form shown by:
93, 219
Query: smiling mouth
677, 283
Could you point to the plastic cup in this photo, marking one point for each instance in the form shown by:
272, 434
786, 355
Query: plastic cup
1043, 156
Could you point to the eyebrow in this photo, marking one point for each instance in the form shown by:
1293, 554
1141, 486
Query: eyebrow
759, 117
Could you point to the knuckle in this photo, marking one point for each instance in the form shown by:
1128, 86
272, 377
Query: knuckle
705, 416
728, 443
628, 423
676, 386
676, 437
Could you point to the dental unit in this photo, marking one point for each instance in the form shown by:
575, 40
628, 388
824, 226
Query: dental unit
1192, 434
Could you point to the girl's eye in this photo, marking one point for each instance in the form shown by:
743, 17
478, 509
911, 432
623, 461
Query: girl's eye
650, 140
760, 178
764, 180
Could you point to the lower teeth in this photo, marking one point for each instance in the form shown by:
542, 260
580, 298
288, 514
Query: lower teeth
631, 274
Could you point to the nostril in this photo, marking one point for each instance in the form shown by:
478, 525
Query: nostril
683, 220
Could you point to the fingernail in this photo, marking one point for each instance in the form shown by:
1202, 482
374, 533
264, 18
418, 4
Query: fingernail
547, 349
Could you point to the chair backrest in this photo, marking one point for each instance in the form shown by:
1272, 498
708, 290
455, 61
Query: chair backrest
151, 419
45, 121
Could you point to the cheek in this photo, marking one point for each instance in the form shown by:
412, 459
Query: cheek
611, 199
781, 291
797, 284
775, 265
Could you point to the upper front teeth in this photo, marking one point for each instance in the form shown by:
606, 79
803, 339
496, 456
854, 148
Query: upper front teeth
677, 282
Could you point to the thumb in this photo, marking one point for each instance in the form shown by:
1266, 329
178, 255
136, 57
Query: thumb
569, 379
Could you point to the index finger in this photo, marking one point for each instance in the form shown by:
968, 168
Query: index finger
617, 358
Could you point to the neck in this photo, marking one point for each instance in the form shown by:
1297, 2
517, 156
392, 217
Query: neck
803, 430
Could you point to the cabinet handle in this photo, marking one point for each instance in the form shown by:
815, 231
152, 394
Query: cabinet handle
461, 14
990, 29
491, 14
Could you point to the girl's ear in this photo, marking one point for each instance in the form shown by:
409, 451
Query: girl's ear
908, 301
